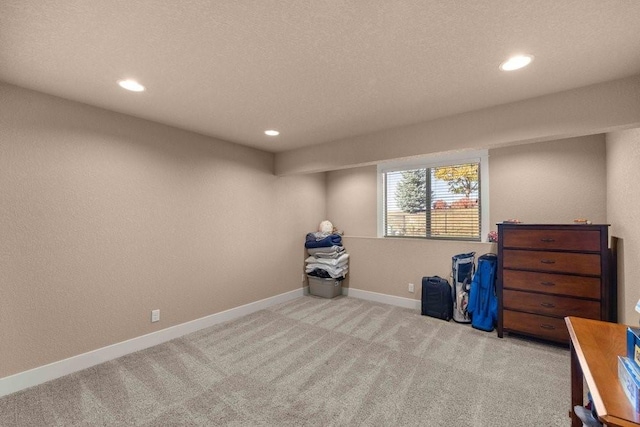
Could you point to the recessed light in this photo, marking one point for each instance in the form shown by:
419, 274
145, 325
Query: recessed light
272, 132
131, 85
516, 62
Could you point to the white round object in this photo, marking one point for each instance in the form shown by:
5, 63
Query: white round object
326, 227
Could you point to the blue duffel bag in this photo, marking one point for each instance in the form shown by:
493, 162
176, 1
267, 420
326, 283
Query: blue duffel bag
483, 302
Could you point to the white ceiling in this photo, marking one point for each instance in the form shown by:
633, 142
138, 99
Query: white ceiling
317, 70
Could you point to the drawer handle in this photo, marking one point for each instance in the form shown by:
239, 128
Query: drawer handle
548, 240
547, 283
547, 305
545, 326
547, 261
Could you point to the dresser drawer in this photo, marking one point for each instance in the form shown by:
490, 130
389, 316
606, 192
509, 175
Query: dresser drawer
549, 271
551, 305
565, 262
570, 240
551, 328
560, 284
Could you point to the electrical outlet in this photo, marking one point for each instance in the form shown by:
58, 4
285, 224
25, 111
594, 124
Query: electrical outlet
155, 315
412, 287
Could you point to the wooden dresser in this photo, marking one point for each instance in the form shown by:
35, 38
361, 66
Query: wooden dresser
547, 272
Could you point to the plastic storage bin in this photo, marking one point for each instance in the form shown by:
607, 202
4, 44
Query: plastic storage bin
325, 288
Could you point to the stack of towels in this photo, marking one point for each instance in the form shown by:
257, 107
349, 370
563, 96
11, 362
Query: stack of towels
328, 258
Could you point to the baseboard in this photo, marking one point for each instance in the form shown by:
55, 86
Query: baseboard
383, 298
42, 374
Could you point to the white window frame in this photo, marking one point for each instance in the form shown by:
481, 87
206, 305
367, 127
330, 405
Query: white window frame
435, 160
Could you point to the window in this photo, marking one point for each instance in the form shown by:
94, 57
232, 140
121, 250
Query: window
436, 200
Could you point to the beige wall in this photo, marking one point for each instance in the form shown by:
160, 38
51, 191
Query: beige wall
549, 182
589, 110
534, 182
623, 210
104, 217
352, 200
388, 265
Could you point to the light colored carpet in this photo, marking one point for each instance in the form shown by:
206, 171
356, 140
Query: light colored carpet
315, 362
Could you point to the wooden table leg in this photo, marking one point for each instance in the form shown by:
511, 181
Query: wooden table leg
577, 392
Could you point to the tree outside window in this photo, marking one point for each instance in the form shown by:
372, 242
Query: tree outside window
451, 194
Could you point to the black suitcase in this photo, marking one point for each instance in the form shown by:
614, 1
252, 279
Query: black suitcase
436, 298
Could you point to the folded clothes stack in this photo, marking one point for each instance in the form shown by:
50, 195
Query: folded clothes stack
322, 240
327, 256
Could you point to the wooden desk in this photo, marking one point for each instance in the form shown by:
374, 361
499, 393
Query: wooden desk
595, 347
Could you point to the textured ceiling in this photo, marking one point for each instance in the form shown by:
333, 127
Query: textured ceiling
315, 70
